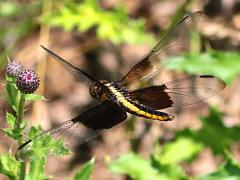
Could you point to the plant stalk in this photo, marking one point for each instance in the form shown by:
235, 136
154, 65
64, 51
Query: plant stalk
20, 113
22, 170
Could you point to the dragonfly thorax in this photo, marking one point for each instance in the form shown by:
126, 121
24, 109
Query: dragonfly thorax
99, 91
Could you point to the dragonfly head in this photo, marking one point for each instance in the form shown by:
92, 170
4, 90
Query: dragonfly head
99, 91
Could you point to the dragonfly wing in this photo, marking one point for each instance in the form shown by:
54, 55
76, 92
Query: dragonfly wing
85, 126
181, 92
77, 73
173, 44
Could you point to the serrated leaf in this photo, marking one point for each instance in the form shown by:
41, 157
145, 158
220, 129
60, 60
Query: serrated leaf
136, 167
10, 120
34, 131
85, 172
43, 146
13, 133
9, 166
34, 97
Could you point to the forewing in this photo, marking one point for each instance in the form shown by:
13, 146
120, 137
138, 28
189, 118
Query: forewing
181, 92
85, 126
173, 44
77, 73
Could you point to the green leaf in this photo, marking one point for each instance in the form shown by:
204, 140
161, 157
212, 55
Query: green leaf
10, 120
7, 8
213, 133
43, 146
12, 92
181, 149
85, 172
88, 15
37, 170
11, 131
171, 170
23, 124
34, 97
224, 65
34, 131
9, 166
136, 167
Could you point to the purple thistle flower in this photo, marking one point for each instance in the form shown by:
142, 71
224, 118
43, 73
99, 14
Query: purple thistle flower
27, 81
13, 69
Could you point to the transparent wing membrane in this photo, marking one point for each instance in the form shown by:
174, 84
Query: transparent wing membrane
173, 44
181, 92
77, 73
83, 127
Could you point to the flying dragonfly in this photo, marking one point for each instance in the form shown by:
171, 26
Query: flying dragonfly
116, 99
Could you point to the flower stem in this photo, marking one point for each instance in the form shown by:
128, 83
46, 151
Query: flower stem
22, 170
20, 113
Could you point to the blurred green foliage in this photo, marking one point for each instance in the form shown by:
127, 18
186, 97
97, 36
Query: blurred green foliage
18, 20
9, 166
213, 133
166, 160
224, 65
113, 25
85, 172
183, 148
230, 170
135, 166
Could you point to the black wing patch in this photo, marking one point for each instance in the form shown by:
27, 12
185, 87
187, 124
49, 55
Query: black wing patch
181, 92
173, 44
85, 126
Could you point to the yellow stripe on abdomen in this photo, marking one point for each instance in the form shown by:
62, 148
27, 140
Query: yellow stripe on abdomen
127, 104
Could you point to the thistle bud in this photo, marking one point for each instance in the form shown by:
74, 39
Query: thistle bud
13, 69
27, 81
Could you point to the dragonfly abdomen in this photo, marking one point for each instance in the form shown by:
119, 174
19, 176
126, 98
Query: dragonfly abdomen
146, 112
136, 108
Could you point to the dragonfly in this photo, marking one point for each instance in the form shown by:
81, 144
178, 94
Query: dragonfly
117, 100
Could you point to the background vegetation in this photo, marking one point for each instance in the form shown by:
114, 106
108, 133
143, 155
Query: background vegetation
106, 38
